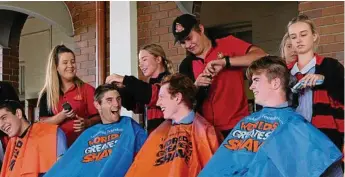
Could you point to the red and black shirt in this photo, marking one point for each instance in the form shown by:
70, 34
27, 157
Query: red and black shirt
328, 99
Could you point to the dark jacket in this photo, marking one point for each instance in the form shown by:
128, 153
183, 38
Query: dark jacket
137, 97
328, 100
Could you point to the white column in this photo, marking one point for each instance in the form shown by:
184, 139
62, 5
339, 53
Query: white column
123, 40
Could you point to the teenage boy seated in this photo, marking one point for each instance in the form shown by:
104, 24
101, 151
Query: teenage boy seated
182, 144
105, 149
275, 141
33, 148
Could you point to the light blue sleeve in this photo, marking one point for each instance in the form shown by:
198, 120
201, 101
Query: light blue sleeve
61, 145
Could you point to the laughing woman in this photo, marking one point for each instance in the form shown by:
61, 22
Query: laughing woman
63, 87
136, 93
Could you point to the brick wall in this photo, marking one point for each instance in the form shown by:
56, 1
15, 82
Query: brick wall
329, 20
9, 70
154, 26
9, 57
84, 20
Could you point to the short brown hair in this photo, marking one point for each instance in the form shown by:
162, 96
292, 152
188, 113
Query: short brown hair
100, 90
12, 106
179, 83
274, 67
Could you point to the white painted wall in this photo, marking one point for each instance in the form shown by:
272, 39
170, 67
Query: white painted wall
52, 12
33, 52
123, 40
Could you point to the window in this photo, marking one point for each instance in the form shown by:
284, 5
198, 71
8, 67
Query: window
21, 77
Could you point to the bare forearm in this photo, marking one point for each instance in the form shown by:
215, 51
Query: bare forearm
57, 119
254, 53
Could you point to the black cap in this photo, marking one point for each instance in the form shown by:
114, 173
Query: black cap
182, 26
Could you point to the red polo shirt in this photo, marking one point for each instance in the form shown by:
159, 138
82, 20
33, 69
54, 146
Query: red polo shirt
81, 100
226, 103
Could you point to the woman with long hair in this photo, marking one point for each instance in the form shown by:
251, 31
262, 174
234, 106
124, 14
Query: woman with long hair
65, 99
138, 94
321, 100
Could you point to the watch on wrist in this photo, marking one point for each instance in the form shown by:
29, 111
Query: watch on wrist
227, 62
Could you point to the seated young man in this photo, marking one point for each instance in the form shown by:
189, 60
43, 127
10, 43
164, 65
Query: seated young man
33, 148
182, 144
105, 149
275, 141
7, 92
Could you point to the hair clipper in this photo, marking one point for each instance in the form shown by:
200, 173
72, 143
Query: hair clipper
299, 85
207, 88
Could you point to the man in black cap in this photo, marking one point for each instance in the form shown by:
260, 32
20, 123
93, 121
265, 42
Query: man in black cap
216, 64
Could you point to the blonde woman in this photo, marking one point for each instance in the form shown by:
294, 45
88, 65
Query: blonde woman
287, 52
66, 100
321, 103
154, 65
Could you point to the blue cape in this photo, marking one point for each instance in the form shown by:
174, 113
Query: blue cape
273, 142
102, 150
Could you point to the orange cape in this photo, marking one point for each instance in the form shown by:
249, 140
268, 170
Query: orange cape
176, 150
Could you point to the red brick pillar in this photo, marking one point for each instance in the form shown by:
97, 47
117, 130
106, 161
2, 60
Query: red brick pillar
84, 21
328, 17
10, 64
